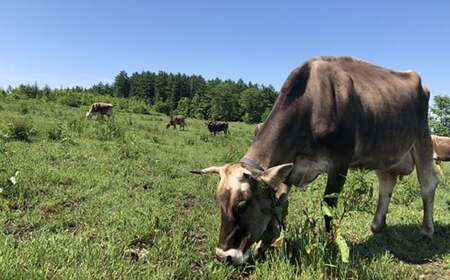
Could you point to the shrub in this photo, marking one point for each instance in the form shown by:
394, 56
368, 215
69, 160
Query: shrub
109, 129
70, 100
23, 108
140, 109
162, 107
19, 129
55, 133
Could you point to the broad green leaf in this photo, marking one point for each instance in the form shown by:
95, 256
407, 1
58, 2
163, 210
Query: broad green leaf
343, 248
12, 180
326, 210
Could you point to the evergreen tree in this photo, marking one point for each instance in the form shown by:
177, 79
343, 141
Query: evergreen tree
122, 84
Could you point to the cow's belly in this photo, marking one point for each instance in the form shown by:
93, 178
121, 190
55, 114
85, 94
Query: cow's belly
402, 165
307, 169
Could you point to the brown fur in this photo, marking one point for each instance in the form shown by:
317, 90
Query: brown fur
332, 114
441, 148
215, 127
177, 120
100, 109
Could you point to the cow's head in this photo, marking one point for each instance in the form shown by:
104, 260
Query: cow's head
249, 203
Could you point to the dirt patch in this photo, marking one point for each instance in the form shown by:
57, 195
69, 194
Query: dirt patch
19, 231
142, 186
137, 254
138, 248
46, 209
435, 271
147, 187
189, 201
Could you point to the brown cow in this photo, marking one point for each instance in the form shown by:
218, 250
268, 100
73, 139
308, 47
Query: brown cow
100, 109
178, 119
217, 126
332, 114
441, 150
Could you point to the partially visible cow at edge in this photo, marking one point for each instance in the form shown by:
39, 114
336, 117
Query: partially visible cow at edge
441, 150
332, 114
258, 129
177, 120
217, 126
100, 109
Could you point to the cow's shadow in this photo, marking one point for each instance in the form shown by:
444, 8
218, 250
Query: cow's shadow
406, 244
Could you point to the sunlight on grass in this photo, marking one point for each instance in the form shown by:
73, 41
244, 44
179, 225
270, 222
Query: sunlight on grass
114, 199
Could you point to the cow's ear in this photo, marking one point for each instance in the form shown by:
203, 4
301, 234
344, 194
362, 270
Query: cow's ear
276, 175
212, 169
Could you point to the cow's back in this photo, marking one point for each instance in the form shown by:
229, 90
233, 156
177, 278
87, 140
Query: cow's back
392, 110
344, 106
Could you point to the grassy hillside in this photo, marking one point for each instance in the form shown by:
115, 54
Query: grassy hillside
115, 200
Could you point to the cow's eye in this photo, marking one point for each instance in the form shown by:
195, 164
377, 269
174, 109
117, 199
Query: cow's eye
241, 206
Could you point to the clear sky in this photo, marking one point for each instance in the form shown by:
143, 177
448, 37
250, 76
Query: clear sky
86, 41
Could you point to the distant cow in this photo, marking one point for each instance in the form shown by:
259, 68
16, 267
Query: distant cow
100, 109
178, 119
217, 126
441, 150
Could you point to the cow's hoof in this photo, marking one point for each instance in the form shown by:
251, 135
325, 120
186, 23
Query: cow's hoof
377, 228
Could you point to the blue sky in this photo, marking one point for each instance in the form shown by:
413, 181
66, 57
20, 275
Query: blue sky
83, 42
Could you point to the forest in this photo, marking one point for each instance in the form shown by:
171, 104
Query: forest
194, 96
168, 93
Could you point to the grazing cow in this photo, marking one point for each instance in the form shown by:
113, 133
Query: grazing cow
441, 150
100, 109
178, 119
217, 126
332, 114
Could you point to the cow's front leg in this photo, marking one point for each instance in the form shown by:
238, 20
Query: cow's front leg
386, 183
335, 181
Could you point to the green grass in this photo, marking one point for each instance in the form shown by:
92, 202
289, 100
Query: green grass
90, 196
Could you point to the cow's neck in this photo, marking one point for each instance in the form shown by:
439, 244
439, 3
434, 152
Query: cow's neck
263, 156
274, 145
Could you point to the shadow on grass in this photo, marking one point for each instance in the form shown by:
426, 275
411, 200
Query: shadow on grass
406, 243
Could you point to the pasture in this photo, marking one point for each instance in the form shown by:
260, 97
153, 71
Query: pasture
114, 199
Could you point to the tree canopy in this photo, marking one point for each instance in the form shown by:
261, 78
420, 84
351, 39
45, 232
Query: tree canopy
194, 96
440, 115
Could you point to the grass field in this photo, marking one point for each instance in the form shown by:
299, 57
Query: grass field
115, 200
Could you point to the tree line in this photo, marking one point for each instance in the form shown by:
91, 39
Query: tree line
169, 93
194, 96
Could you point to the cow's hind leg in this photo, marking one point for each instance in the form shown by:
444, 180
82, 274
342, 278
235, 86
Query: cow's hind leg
386, 183
422, 154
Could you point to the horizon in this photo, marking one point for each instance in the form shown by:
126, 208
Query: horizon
84, 43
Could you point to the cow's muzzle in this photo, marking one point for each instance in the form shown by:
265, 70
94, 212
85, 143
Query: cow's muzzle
233, 256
